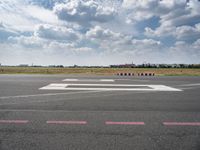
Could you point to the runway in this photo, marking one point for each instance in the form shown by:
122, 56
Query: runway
54, 112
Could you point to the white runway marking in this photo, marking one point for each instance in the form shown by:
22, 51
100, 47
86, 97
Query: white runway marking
137, 80
108, 87
124, 123
71, 80
107, 80
195, 84
90, 80
14, 121
46, 94
181, 123
62, 111
66, 122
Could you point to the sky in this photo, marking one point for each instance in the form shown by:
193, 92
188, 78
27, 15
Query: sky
99, 32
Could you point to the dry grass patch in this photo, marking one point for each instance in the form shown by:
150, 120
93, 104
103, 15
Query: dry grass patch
98, 71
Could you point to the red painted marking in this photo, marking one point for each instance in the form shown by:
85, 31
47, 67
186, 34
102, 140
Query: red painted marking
181, 123
124, 123
66, 122
14, 121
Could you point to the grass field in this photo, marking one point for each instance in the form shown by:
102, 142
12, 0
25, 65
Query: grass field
99, 71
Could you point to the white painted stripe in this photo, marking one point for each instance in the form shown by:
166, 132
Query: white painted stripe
90, 80
124, 123
107, 80
107, 87
70, 80
60, 111
14, 121
66, 122
195, 84
47, 94
181, 123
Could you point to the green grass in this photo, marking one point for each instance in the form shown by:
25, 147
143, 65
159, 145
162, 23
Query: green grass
100, 71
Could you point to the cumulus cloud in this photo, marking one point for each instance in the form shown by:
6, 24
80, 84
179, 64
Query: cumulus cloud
39, 45
52, 40
83, 12
139, 10
120, 42
180, 13
188, 32
67, 48
49, 4
104, 34
184, 52
106, 31
185, 32
28, 42
56, 32
177, 18
173, 12
18, 15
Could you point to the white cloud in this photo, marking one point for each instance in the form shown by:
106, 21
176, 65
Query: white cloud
49, 41
177, 18
49, 4
100, 31
103, 34
56, 33
184, 32
139, 9
83, 12
188, 32
41, 14
28, 42
168, 10
68, 48
160, 31
22, 17
183, 52
120, 42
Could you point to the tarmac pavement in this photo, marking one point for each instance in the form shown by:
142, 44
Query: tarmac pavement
54, 112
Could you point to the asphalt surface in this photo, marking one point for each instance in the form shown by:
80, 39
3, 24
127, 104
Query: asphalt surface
32, 118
